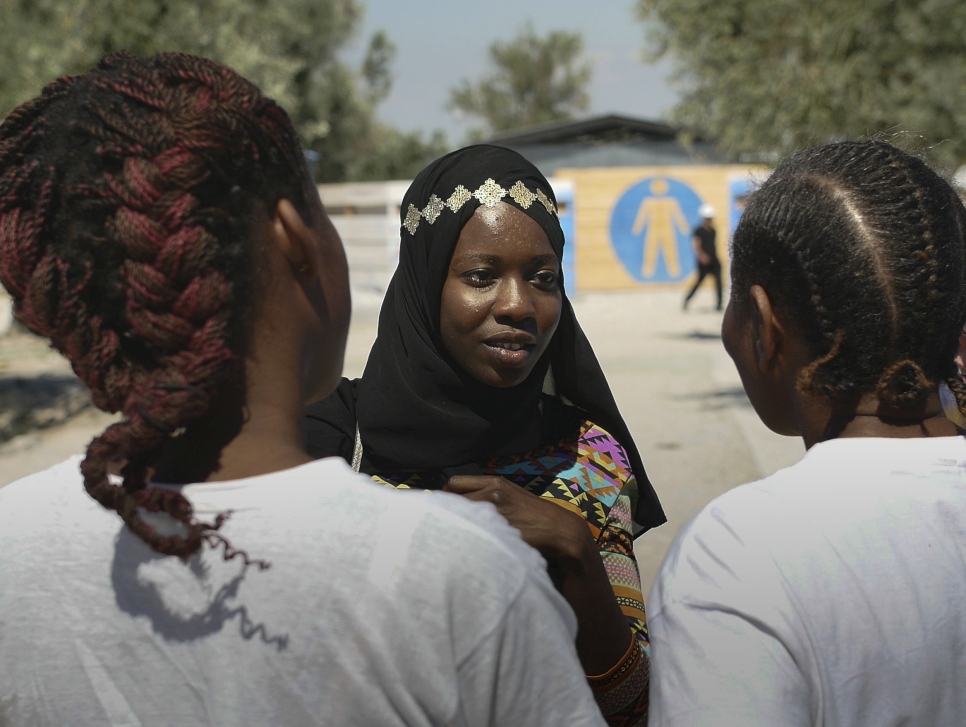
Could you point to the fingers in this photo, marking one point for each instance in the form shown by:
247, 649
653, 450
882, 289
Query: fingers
481, 489
493, 496
465, 484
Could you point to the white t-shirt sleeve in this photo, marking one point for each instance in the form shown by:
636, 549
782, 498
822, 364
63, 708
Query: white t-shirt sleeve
719, 620
524, 670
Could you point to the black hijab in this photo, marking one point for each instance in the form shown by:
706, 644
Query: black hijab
414, 406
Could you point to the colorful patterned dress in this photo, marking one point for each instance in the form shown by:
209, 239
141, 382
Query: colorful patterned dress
589, 475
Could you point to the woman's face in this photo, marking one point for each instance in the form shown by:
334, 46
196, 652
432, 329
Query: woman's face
767, 392
331, 302
738, 341
501, 299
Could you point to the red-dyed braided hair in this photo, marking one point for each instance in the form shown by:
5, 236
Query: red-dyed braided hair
126, 199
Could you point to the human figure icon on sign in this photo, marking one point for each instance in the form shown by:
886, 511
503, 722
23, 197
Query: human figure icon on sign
662, 217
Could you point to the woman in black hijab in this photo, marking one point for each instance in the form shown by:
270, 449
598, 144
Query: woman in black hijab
482, 383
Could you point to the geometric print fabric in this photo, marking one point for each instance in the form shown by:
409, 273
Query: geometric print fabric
591, 476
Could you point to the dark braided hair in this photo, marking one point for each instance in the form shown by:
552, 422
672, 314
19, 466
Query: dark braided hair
127, 196
862, 246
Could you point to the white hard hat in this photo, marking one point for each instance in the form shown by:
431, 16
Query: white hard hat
706, 211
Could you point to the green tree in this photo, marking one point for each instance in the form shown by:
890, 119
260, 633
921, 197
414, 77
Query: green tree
288, 47
762, 77
533, 80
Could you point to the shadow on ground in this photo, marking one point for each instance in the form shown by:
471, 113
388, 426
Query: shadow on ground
718, 398
35, 402
692, 336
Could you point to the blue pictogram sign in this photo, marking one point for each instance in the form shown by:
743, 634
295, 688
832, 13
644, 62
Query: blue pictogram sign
650, 229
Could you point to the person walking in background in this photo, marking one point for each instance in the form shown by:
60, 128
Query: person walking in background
159, 226
704, 242
831, 593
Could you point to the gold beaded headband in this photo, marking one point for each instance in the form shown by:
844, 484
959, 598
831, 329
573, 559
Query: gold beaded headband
488, 194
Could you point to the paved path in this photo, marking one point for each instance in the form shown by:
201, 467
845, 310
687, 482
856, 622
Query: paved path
675, 385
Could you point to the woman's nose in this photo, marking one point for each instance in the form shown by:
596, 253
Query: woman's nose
514, 300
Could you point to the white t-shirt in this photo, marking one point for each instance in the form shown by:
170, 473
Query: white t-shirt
831, 593
380, 608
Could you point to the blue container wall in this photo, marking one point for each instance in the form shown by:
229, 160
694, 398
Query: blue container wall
565, 203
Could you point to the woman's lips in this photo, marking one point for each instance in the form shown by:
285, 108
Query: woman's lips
509, 354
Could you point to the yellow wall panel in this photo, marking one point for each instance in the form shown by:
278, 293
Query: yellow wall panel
633, 225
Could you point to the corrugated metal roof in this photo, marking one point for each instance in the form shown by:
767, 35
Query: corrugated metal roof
608, 127
604, 141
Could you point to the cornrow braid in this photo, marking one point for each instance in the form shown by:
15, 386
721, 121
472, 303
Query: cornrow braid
126, 198
863, 246
953, 376
922, 264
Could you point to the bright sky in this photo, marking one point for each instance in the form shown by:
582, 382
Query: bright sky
441, 42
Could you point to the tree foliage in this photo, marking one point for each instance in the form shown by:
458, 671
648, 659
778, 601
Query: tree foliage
767, 76
288, 47
533, 80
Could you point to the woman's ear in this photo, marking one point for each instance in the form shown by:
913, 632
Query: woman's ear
295, 239
768, 333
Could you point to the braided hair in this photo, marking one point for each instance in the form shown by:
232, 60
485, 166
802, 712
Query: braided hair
126, 204
862, 246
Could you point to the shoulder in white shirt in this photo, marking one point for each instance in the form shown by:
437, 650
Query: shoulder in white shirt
827, 594
380, 607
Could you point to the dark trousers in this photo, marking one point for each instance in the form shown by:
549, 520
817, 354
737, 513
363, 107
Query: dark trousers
704, 271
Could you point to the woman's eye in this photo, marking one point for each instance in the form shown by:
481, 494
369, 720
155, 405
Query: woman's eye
480, 277
546, 278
